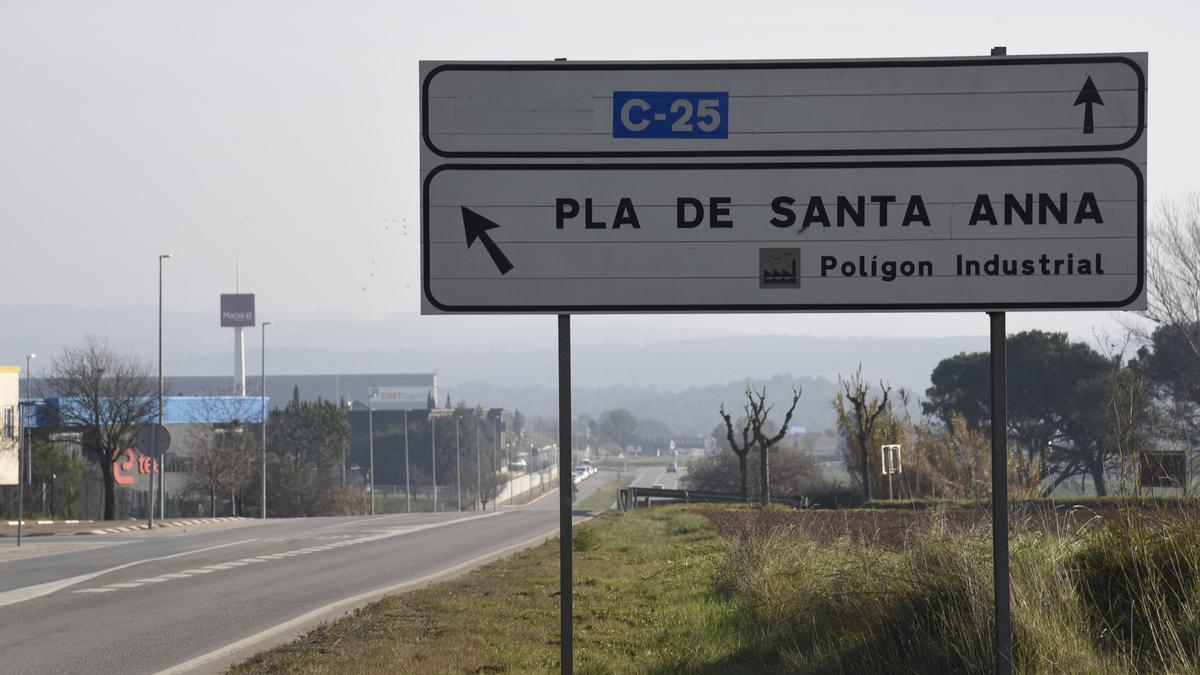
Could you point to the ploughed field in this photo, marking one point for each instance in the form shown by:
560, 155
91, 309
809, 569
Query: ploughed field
895, 528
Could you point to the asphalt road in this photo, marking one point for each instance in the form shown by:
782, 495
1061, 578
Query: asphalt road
150, 601
657, 474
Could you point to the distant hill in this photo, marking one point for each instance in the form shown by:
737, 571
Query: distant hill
689, 411
660, 370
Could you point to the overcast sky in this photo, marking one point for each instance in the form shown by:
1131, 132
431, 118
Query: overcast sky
285, 133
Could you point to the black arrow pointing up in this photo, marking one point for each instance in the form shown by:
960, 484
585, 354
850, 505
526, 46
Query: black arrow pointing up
1088, 95
477, 228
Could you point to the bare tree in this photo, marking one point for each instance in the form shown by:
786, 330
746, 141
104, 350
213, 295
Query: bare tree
754, 433
759, 412
859, 422
222, 454
744, 449
1174, 271
106, 396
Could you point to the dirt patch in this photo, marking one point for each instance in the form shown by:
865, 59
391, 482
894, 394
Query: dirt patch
895, 528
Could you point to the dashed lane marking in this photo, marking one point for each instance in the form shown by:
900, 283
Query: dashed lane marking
286, 554
38, 590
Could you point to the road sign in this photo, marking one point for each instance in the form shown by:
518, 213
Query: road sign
150, 444
911, 184
401, 394
972, 105
777, 237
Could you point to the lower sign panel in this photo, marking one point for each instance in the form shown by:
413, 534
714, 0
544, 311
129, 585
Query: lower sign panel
878, 236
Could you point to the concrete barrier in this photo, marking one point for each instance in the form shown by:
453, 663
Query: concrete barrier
524, 483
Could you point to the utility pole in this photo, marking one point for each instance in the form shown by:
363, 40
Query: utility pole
433, 451
407, 488
263, 395
154, 432
478, 470
457, 462
28, 439
371, 446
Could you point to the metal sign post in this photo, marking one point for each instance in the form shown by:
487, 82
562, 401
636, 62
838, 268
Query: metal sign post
889, 456
1000, 494
565, 592
153, 441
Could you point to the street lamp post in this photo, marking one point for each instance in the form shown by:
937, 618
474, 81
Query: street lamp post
457, 463
154, 430
25, 436
478, 471
495, 448
263, 400
371, 447
433, 451
407, 489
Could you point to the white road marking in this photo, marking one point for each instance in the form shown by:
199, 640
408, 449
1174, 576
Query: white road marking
95, 590
38, 590
354, 600
312, 549
125, 584
372, 519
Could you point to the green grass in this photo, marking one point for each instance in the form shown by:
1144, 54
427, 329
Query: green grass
1119, 598
658, 591
642, 594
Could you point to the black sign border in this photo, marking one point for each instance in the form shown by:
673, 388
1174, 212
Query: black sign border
784, 307
991, 62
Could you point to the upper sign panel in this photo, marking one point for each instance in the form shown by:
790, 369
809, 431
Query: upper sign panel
986, 105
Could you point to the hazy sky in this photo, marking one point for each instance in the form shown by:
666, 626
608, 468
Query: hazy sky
286, 132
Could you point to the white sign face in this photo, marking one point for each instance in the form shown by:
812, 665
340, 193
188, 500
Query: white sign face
853, 236
1035, 200
978, 105
401, 394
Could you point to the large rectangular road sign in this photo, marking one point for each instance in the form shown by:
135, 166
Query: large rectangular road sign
983, 105
773, 237
909, 184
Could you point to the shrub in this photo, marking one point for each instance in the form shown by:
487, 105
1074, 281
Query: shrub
1139, 582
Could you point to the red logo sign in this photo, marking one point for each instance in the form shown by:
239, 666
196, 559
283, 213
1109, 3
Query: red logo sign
134, 460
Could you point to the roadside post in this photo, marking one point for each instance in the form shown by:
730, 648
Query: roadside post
889, 459
979, 184
152, 440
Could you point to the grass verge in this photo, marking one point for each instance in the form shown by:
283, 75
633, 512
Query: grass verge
660, 591
643, 594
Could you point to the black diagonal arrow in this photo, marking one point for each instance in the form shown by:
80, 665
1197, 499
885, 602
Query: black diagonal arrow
477, 228
1088, 95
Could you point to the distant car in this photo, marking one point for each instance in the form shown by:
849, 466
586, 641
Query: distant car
657, 486
671, 468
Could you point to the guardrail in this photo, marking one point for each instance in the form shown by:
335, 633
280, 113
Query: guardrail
627, 498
